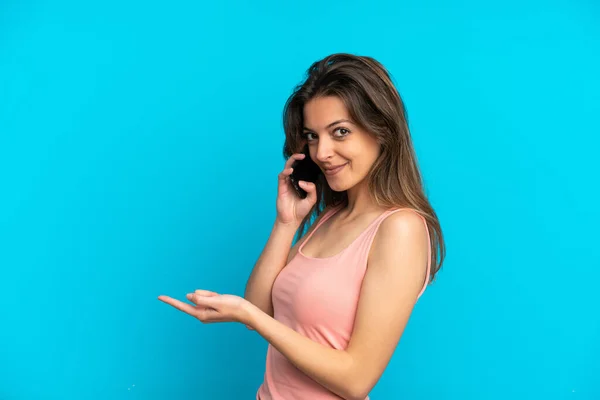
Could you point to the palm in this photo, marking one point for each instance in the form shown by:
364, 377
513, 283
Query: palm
211, 307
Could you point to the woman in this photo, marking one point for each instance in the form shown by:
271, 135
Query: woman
334, 306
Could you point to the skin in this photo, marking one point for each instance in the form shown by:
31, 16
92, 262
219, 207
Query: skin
342, 143
396, 268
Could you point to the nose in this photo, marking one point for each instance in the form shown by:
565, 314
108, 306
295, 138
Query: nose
324, 150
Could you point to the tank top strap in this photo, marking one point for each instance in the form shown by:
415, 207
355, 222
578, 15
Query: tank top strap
375, 226
328, 214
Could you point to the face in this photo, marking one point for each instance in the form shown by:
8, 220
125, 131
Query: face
335, 140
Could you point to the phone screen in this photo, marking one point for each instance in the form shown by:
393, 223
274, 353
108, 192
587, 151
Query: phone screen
304, 170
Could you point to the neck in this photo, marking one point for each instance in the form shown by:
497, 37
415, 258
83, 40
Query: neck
360, 202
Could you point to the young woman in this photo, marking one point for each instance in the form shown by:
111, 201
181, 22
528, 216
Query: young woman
334, 306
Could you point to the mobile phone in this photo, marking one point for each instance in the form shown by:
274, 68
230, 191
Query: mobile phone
304, 170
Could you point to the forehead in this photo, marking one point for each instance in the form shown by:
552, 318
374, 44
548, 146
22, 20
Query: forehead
321, 111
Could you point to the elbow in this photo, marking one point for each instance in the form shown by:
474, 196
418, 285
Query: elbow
357, 390
357, 394
357, 383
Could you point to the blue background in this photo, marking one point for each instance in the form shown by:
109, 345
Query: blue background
126, 132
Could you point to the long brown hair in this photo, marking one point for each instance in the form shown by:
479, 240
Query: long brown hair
367, 90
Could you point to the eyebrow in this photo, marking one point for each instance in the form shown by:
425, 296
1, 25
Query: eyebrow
331, 124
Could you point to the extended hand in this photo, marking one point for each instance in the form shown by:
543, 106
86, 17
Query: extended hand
211, 307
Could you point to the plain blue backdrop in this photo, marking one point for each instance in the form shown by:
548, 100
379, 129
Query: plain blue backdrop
126, 133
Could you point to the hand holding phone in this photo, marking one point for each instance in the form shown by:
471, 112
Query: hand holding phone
304, 170
296, 192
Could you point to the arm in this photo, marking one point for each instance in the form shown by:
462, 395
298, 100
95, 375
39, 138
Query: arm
275, 256
271, 261
395, 275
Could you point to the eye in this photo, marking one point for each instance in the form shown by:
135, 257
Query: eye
344, 132
305, 135
342, 129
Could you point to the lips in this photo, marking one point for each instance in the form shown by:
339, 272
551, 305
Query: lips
334, 170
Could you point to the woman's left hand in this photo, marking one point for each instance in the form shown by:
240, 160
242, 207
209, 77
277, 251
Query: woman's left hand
211, 307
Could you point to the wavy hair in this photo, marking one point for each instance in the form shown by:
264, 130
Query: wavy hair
367, 90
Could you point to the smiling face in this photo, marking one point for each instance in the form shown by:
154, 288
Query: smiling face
334, 140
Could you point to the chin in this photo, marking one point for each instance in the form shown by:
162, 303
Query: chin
339, 187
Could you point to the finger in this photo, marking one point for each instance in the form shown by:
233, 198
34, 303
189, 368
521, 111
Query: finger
310, 189
180, 305
285, 173
205, 293
201, 300
293, 158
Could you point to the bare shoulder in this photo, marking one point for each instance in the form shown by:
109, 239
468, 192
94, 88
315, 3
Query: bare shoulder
404, 222
294, 248
404, 231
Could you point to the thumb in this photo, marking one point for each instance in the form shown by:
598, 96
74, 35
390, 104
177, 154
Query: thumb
203, 300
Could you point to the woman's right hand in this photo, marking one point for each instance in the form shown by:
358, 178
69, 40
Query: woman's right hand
291, 209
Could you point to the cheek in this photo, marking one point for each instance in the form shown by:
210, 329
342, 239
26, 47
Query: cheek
362, 165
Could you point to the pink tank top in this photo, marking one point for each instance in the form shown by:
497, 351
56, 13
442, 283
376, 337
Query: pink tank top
318, 298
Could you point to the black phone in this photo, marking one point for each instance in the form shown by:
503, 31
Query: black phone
304, 170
